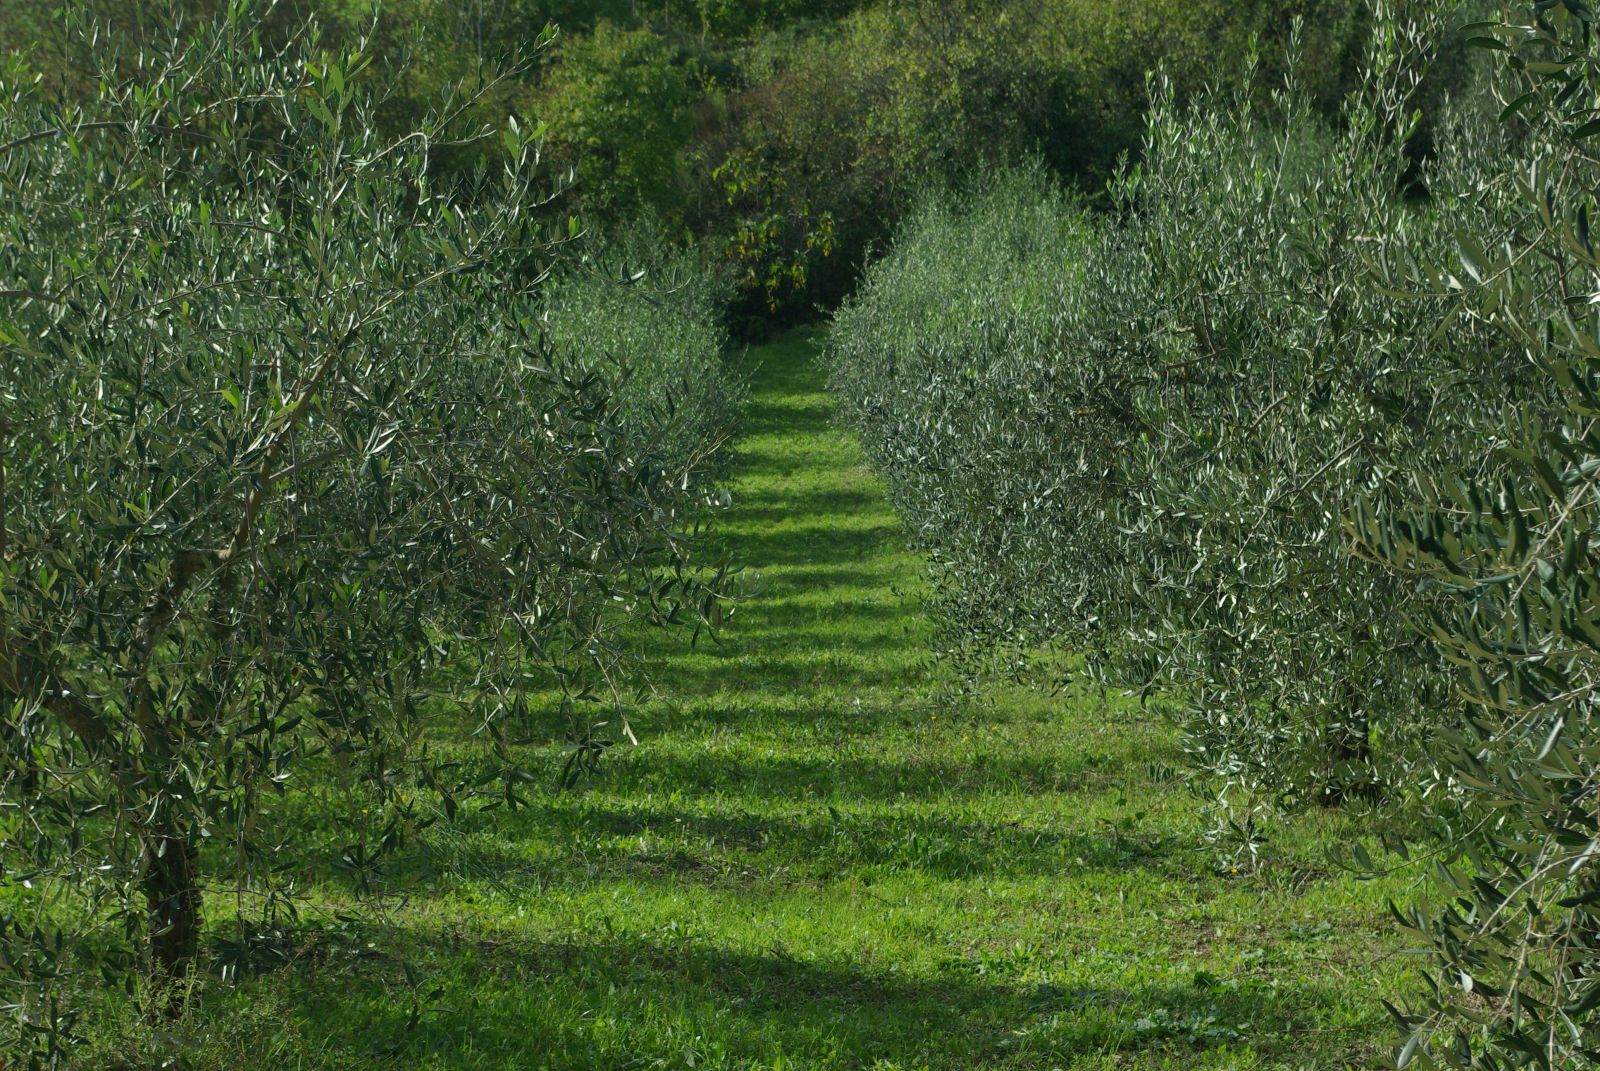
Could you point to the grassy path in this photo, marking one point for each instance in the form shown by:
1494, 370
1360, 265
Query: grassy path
813, 862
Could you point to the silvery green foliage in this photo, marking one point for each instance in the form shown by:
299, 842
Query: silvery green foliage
1508, 540
290, 477
1135, 437
946, 363
656, 313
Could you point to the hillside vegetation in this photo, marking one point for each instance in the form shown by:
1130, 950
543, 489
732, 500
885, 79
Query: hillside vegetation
786, 139
1146, 616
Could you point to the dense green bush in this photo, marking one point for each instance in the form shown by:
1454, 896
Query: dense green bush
970, 300
1134, 437
819, 141
620, 104
657, 315
1509, 539
1086, 63
289, 476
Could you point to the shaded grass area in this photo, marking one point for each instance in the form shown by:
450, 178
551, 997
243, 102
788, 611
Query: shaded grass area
815, 860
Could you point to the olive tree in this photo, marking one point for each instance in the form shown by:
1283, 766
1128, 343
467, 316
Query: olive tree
288, 473
1132, 438
1509, 540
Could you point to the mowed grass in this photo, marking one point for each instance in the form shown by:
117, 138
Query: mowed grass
813, 860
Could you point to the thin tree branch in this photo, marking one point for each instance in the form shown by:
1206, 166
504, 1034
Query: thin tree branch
19, 675
25, 295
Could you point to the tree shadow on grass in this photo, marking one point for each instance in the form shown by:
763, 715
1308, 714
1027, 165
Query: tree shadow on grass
798, 634
844, 669
863, 575
668, 999
866, 778
780, 629
781, 611
818, 544
639, 842
776, 503
782, 412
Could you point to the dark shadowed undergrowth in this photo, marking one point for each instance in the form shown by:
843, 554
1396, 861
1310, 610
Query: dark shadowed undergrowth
814, 859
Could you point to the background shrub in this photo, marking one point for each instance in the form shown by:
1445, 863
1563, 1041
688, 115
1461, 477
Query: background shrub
620, 103
821, 140
656, 315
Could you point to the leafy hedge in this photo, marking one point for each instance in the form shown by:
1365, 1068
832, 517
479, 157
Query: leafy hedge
292, 480
657, 316
1134, 436
1318, 459
1509, 539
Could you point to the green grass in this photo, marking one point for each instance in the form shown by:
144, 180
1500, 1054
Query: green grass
815, 861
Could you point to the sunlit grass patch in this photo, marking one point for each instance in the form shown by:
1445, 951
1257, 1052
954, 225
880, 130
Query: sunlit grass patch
816, 859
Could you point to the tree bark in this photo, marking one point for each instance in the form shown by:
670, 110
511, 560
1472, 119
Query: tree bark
1350, 755
171, 883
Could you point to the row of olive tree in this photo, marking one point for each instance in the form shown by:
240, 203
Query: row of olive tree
290, 469
1191, 441
1134, 437
1510, 541
660, 310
